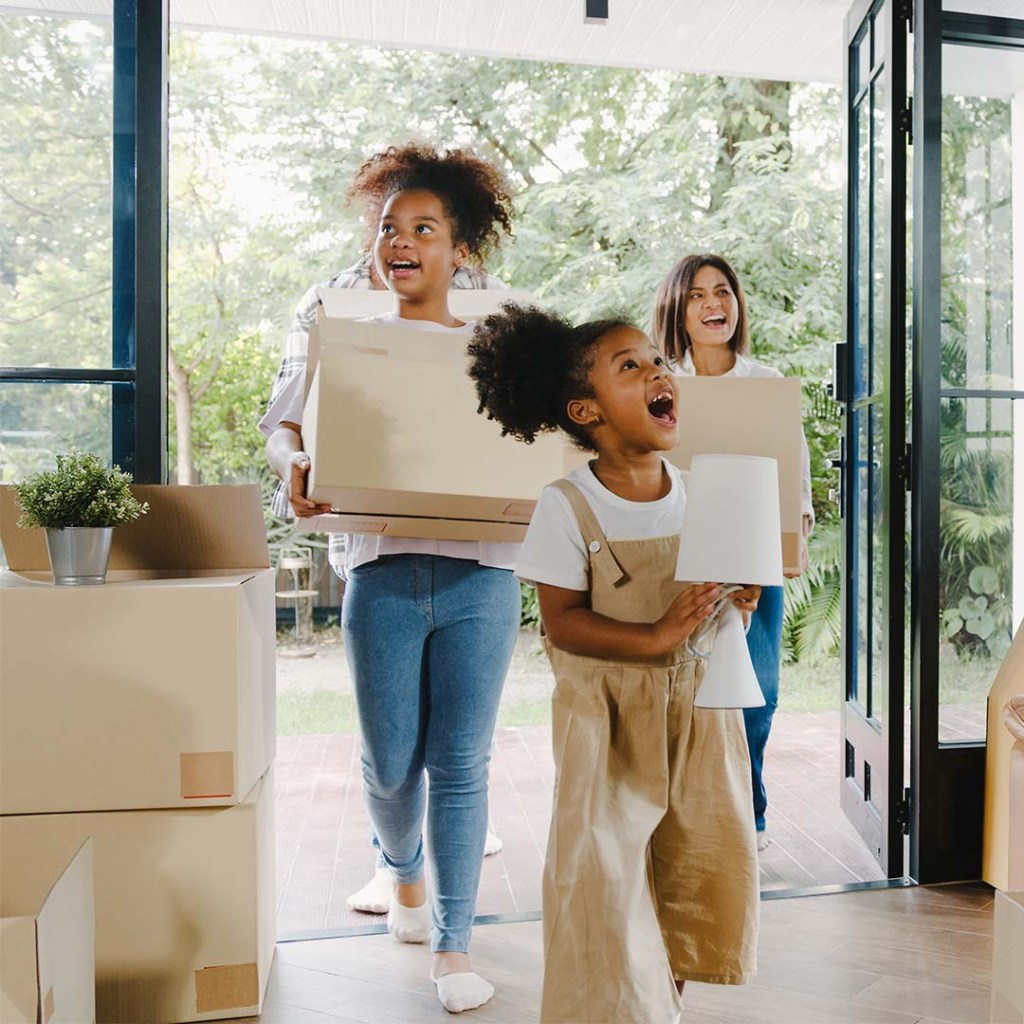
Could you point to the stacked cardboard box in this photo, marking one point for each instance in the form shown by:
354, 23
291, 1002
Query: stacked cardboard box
47, 967
1003, 843
1007, 959
140, 713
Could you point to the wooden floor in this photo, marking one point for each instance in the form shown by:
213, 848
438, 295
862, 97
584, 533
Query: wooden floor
322, 827
898, 956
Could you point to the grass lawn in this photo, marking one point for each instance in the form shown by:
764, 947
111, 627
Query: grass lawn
325, 703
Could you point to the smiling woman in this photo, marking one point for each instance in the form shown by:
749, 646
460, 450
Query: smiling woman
700, 320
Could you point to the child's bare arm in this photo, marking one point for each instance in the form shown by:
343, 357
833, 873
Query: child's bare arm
572, 626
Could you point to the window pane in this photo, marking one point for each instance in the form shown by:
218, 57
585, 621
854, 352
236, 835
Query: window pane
879, 568
978, 349
859, 680
862, 263
977, 530
39, 421
55, 232
862, 54
878, 208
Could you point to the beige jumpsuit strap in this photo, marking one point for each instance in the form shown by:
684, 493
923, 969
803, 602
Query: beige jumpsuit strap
601, 557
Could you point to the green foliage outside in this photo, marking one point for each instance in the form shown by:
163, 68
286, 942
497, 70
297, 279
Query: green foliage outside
81, 491
619, 173
976, 434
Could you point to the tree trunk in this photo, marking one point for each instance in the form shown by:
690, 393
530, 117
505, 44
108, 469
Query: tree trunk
743, 106
181, 396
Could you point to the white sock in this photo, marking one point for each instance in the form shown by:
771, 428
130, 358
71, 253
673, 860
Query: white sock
409, 924
375, 896
492, 844
466, 991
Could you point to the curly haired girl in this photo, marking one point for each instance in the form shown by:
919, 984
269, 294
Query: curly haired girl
429, 625
651, 870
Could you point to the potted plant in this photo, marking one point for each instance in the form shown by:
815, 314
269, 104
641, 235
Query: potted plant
78, 504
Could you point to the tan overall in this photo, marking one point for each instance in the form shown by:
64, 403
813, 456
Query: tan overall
651, 870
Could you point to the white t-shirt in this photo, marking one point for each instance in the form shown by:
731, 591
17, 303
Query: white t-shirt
747, 367
554, 552
362, 547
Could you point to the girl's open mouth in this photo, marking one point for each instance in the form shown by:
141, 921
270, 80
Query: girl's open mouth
402, 268
715, 320
662, 409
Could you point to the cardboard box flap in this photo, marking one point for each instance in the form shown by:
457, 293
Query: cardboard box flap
338, 305
335, 338
19, 990
66, 923
209, 527
465, 303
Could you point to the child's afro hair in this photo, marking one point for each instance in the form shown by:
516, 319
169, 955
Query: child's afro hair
528, 365
474, 192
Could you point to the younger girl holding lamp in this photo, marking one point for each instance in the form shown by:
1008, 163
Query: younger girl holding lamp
701, 324
651, 873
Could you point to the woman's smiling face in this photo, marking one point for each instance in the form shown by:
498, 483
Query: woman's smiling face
415, 252
712, 309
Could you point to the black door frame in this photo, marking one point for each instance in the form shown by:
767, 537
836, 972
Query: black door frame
872, 790
137, 372
947, 779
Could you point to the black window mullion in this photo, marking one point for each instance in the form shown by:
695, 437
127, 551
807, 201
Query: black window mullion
139, 336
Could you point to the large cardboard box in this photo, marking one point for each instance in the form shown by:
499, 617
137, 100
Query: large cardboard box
464, 303
749, 416
155, 689
1008, 960
184, 903
1003, 837
47, 969
398, 447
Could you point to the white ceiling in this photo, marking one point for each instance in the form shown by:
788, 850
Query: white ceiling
795, 40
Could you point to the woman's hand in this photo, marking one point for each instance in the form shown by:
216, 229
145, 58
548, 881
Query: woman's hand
746, 599
802, 557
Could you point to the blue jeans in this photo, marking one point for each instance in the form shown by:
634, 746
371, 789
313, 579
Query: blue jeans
764, 640
429, 640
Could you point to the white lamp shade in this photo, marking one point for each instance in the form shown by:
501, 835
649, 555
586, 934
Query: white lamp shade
731, 531
729, 678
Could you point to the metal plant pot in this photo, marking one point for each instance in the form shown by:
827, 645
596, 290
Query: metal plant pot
79, 554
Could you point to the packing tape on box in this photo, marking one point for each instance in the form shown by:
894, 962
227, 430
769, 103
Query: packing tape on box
208, 774
229, 987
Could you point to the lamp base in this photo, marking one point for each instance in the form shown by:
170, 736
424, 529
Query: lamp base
729, 678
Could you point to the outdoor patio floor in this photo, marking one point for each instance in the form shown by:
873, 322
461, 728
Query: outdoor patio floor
323, 852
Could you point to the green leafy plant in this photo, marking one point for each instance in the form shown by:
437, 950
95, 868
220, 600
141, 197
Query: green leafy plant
814, 607
530, 610
81, 491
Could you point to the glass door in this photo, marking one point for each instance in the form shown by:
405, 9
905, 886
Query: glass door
969, 414
870, 375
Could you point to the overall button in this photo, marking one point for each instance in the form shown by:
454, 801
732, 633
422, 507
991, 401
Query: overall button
595, 546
